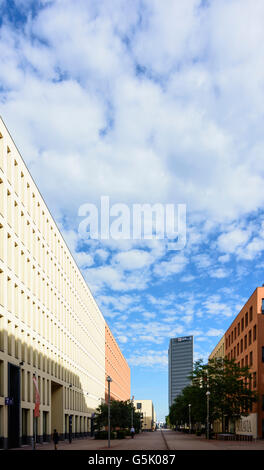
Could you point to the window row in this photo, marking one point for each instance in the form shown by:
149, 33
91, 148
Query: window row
239, 328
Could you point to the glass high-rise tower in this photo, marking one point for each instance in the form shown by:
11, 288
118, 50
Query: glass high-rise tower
180, 355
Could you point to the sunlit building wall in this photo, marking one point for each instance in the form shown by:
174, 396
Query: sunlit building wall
50, 324
117, 368
148, 414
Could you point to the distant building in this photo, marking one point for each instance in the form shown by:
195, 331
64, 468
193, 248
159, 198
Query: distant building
219, 350
180, 356
148, 414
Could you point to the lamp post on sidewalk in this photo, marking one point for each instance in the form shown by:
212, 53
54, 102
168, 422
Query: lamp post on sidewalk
132, 409
208, 418
190, 424
208, 405
109, 380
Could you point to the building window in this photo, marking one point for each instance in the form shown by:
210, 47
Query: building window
251, 358
238, 329
242, 324
262, 353
246, 360
249, 337
241, 346
262, 306
246, 319
250, 314
232, 337
245, 342
237, 348
254, 332
235, 332
254, 379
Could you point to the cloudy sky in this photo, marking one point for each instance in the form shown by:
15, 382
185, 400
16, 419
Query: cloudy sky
147, 101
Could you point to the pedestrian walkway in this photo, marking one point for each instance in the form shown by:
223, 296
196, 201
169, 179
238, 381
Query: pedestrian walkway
182, 441
142, 441
164, 440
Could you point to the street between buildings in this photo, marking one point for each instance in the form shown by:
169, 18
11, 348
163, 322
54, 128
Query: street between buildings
164, 440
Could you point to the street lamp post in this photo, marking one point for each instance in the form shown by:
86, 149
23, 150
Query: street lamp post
208, 419
109, 380
190, 424
132, 411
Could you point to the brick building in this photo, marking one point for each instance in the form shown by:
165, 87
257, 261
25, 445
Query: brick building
244, 342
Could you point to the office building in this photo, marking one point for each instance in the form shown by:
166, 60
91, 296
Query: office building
117, 368
50, 325
219, 350
148, 414
244, 342
180, 363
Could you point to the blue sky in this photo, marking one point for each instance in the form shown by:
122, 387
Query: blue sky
147, 101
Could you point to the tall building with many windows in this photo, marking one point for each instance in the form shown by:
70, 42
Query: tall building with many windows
180, 363
244, 342
50, 325
117, 367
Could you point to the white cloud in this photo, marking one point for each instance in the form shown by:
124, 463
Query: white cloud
122, 339
219, 273
83, 259
133, 259
202, 261
109, 277
150, 359
149, 315
174, 266
214, 332
224, 258
187, 278
216, 308
230, 241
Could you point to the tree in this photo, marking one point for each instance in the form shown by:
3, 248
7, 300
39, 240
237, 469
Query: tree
230, 392
121, 415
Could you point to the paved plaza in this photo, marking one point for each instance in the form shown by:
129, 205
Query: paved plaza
158, 440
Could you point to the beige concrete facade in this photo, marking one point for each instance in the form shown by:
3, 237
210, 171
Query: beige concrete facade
219, 351
50, 324
148, 414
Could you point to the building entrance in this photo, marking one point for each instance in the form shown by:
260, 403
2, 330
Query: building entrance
57, 415
13, 406
25, 424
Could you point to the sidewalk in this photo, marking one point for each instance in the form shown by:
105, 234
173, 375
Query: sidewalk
180, 441
164, 440
142, 441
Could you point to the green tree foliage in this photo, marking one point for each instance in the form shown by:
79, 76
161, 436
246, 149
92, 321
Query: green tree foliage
120, 413
230, 393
